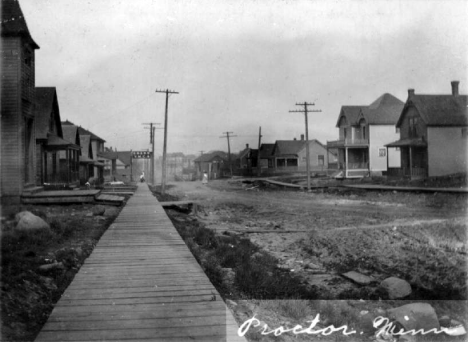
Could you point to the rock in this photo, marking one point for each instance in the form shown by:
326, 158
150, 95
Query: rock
407, 338
89, 215
396, 287
311, 265
444, 321
79, 252
358, 278
231, 233
257, 255
455, 328
28, 221
324, 253
98, 210
51, 267
111, 212
231, 303
228, 275
415, 316
48, 283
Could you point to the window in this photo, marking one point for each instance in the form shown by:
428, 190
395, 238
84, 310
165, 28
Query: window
344, 133
382, 152
321, 159
413, 124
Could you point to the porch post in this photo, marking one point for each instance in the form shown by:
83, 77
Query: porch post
45, 167
346, 162
68, 164
410, 163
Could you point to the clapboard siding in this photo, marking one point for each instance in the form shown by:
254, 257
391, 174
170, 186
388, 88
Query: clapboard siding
11, 109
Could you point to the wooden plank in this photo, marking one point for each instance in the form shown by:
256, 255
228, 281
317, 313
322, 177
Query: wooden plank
405, 188
140, 283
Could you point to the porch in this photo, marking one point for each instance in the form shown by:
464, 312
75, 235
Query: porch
414, 161
58, 163
353, 162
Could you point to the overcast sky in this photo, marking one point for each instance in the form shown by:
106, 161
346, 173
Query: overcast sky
238, 65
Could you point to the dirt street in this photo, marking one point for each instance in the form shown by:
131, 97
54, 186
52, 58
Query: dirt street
320, 235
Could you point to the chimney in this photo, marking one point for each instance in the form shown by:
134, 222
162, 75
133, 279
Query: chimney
302, 136
295, 139
410, 93
455, 88
246, 145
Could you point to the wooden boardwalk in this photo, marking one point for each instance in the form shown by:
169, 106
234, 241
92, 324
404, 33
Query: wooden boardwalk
141, 283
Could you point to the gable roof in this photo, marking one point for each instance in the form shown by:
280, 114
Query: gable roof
83, 131
439, 110
46, 103
13, 22
108, 155
70, 133
210, 156
385, 110
266, 150
125, 157
288, 147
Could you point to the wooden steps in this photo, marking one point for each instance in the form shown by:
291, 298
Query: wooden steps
141, 283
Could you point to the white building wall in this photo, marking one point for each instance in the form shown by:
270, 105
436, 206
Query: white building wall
379, 136
446, 151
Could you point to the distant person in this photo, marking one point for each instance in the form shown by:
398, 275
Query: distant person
205, 178
142, 177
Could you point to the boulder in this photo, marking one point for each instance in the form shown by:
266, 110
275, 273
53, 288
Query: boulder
415, 316
396, 287
358, 278
98, 210
28, 221
228, 275
111, 212
48, 283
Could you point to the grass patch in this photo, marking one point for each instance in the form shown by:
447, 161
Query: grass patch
254, 274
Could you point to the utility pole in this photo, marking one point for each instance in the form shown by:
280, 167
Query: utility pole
152, 128
259, 167
163, 181
229, 147
306, 111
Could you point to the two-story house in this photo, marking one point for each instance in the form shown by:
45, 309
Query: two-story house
363, 133
17, 124
433, 135
56, 157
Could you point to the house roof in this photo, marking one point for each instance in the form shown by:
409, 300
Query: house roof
408, 142
46, 103
293, 147
70, 133
57, 142
288, 147
13, 21
210, 156
439, 110
266, 150
108, 155
83, 131
383, 111
124, 157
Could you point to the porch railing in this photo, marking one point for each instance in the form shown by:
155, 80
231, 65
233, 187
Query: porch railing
347, 142
353, 166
